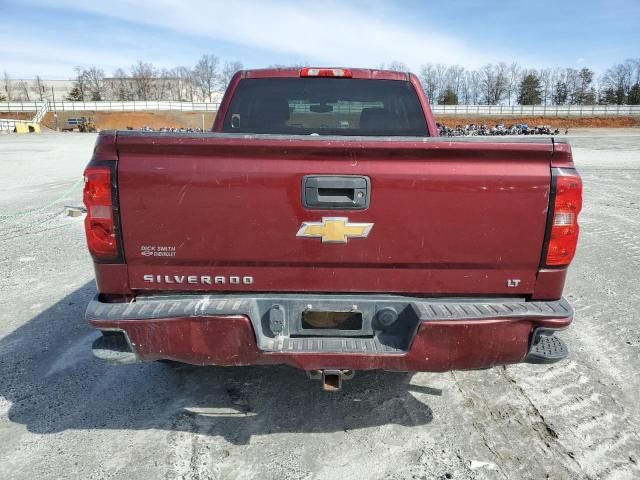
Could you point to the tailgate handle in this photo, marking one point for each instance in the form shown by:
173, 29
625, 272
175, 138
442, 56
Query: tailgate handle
336, 192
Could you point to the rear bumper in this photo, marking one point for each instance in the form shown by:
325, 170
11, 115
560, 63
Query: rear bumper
430, 335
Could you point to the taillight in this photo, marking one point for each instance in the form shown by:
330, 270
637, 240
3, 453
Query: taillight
563, 229
325, 72
100, 222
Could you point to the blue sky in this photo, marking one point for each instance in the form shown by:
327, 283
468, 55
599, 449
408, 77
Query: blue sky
50, 38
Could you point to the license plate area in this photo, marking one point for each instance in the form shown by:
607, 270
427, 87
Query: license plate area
331, 319
312, 320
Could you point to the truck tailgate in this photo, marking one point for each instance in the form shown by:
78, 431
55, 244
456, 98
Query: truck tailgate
221, 212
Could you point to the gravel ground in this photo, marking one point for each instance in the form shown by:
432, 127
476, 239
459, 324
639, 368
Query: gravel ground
65, 415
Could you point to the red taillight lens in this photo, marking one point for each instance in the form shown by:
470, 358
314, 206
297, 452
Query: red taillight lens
99, 224
325, 72
563, 228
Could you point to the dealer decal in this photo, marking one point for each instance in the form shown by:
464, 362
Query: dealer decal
157, 251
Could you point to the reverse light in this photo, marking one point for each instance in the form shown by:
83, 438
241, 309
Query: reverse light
563, 229
99, 224
325, 72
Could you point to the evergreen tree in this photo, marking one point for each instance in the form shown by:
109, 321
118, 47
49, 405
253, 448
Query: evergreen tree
561, 94
75, 95
449, 97
530, 90
584, 93
607, 97
620, 97
634, 95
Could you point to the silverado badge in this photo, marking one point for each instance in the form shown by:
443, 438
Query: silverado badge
334, 230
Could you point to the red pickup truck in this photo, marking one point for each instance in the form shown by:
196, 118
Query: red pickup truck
324, 225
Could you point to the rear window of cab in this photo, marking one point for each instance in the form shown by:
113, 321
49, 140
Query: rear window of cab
325, 106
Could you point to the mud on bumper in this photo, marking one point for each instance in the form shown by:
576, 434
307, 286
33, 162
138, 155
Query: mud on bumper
394, 333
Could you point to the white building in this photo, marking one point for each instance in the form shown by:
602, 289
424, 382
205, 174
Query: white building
28, 89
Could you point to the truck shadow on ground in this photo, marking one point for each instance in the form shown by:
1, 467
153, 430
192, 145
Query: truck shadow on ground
54, 384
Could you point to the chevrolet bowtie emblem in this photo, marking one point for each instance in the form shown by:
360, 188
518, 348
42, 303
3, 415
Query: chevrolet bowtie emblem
334, 230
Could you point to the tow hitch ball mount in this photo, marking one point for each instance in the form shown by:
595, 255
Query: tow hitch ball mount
331, 379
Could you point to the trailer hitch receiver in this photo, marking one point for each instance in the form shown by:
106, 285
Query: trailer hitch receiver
331, 379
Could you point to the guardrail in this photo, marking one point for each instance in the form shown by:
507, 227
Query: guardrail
467, 110
539, 110
108, 106
20, 106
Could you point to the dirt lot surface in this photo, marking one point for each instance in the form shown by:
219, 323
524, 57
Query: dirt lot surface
63, 414
122, 120
17, 115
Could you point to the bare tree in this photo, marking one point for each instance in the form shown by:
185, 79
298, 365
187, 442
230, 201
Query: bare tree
228, 70
465, 88
185, 86
472, 89
554, 77
428, 80
89, 84
502, 81
95, 85
120, 85
434, 80
8, 86
545, 76
454, 81
394, 65
488, 79
172, 85
441, 79
619, 80
23, 90
39, 88
635, 65
142, 79
297, 65
206, 76
494, 82
514, 77
163, 85
572, 80
79, 92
